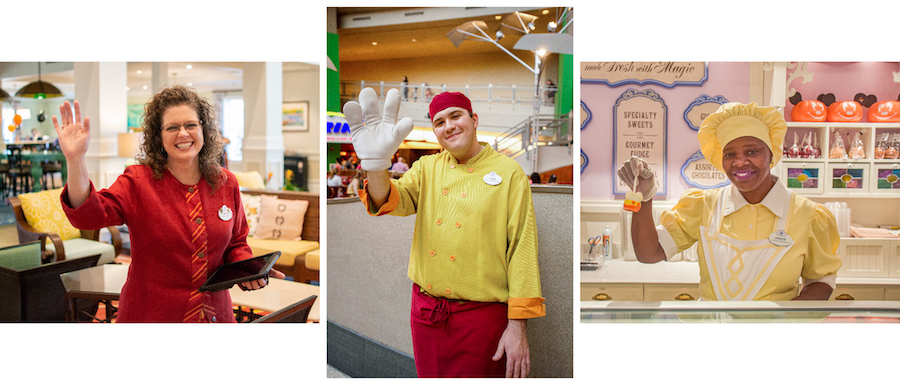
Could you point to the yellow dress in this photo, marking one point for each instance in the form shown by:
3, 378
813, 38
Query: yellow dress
812, 255
474, 240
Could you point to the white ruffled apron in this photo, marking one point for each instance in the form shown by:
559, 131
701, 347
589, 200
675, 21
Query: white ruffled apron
737, 268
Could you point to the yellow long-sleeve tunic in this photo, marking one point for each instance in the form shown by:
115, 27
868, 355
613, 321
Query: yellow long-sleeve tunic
812, 227
473, 240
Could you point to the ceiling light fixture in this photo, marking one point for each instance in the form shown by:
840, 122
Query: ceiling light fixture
551, 26
139, 72
189, 66
39, 89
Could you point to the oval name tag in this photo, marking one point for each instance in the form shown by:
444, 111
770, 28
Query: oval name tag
780, 239
225, 213
492, 179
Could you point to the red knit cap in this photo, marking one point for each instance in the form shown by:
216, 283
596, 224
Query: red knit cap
448, 99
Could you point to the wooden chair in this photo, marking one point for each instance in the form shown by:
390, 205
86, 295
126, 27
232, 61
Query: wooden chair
27, 234
31, 291
19, 171
297, 312
49, 168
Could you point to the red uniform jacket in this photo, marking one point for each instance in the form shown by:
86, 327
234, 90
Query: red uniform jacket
179, 235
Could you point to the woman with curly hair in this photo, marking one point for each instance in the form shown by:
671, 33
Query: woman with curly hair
183, 210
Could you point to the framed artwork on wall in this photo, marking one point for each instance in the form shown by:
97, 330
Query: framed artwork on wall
295, 116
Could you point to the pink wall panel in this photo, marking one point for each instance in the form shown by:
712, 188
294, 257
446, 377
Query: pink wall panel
846, 79
730, 80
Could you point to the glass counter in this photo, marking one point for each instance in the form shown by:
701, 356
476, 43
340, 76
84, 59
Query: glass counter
740, 312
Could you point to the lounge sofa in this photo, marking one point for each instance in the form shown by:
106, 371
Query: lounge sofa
299, 258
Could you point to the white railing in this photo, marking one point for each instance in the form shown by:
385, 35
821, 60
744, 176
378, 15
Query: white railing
423, 92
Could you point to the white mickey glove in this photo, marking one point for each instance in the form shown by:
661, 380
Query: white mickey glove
646, 184
376, 138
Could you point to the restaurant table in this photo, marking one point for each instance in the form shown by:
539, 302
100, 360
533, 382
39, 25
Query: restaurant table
104, 283
31, 144
36, 157
277, 295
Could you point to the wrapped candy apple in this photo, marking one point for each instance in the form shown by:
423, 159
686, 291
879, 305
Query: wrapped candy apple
817, 152
882, 146
857, 148
794, 152
893, 152
807, 151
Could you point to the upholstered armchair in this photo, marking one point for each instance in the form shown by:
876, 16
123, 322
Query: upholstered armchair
31, 291
66, 242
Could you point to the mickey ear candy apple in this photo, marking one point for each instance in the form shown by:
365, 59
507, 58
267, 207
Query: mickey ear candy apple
633, 201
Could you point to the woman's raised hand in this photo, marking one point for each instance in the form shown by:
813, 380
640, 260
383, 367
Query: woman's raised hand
74, 134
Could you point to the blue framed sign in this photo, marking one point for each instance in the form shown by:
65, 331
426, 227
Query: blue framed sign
585, 119
698, 172
666, 74
700, 108
585, 115
639, 125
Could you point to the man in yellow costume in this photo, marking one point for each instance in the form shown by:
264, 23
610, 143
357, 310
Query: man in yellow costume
473, 261
758, 241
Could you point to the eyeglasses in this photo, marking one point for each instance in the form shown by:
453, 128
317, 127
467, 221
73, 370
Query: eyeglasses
189, 126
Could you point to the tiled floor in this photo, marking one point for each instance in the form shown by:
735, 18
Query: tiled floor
8, 236
334, 373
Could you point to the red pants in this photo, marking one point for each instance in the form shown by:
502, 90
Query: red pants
453, 339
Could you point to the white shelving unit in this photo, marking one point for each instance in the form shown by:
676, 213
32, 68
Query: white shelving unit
842, 178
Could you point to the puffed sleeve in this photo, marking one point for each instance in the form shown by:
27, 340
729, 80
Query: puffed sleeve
523, 276
679, 228
403, 198
107, 207
822, 262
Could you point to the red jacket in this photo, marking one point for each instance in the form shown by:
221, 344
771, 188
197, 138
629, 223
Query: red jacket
179, 235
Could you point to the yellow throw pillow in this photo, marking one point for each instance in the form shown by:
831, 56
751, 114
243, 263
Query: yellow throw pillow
250, 179
280, 218
251, 210
44, 212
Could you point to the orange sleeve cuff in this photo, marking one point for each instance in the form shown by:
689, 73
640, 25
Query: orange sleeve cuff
524, 308
392, 203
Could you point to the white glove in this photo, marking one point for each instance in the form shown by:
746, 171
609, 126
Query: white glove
376, 140
646, 184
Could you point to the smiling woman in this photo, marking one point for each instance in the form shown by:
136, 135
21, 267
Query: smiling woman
785, 244
179, 193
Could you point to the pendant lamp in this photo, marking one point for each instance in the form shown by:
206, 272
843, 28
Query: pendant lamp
39, 89
4, 95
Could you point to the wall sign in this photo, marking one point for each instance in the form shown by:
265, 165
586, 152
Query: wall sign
700, 108
585, 119
585, 115
336, 128
700, 173
666, 74
639, 122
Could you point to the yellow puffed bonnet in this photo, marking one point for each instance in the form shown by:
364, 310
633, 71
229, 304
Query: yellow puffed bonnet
735, 120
